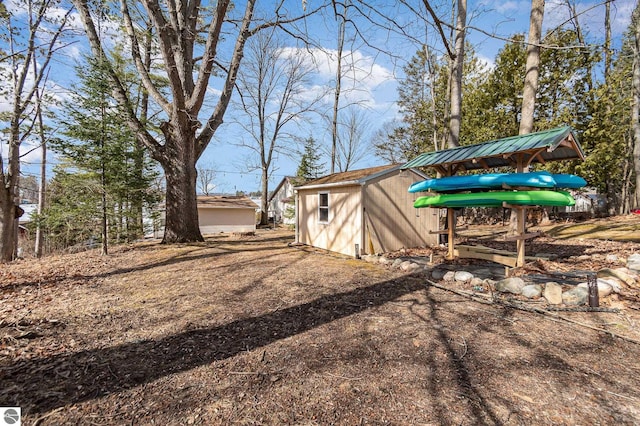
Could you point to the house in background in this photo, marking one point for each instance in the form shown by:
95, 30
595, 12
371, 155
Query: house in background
226, 214
282, 201
364, 212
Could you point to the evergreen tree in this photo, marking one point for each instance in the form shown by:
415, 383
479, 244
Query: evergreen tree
310, 166
73, 212
607, 140
422, 98
100, 144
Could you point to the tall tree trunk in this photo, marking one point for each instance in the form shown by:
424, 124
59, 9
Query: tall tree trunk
456, 76
264, 198
336, 98
43, 167
635, 109
532, 71
179, 165
532, 67
9, 202
7, 225
41, 199
607, 39
105, 226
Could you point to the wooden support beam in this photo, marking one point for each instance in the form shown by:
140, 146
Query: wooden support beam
446, 231
521, 216
494, 257
451, 227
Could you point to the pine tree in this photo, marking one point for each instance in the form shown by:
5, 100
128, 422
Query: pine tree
310, 166
99, 143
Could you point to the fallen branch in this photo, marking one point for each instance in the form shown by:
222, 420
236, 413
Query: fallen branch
543, 312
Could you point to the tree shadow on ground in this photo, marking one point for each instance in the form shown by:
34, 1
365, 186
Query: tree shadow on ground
41, 384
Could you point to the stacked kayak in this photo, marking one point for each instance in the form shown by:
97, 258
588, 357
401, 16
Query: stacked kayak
496, 198
545, 193
541, 179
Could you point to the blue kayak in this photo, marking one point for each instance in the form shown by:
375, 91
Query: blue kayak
541, 179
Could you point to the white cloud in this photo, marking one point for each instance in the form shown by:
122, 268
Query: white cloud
361, 76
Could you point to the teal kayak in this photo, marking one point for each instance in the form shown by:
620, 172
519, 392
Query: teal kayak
496, 198
542, 179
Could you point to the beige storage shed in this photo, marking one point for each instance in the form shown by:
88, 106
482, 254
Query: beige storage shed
226, 214
364, 212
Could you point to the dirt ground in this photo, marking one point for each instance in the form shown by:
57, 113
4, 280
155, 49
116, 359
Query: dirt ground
250, 330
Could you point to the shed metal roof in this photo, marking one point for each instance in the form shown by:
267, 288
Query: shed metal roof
540, 147
352, 177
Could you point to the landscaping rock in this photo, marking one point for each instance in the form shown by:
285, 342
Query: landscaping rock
463, 276
605, 287
477, 282
553, 293
409, 266
633, 262
576, 296
384, 260
510, 285
396, 263
438, 274
532, 291
619, 274
449, 276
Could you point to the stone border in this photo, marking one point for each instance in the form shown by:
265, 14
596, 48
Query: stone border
483, 278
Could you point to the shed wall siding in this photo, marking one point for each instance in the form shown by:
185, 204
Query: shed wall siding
391, 221
343, 229
214, 220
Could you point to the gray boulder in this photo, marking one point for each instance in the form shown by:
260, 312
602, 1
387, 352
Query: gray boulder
449, 276
605, 287
618, 274
438, 274
532, 291
553, 293
510, 285
463, 276
633, 262
576, 296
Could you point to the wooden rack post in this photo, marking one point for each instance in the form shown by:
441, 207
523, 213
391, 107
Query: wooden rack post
451, 227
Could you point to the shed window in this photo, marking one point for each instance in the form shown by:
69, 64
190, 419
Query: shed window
323, 207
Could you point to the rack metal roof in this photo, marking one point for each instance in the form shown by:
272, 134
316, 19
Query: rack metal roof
540, 147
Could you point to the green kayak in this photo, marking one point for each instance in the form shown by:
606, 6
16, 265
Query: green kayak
496, 198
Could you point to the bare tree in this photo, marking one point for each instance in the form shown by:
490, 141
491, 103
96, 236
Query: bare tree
206, 177
336, 97
274, 96
532, 67
189, 38
24, 84
351, 139
456, 76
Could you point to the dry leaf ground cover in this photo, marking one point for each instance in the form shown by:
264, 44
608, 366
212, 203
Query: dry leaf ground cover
254, 331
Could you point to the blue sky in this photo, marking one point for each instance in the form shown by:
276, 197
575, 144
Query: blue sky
372, 82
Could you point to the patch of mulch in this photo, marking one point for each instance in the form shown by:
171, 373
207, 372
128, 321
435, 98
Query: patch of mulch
256, 331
